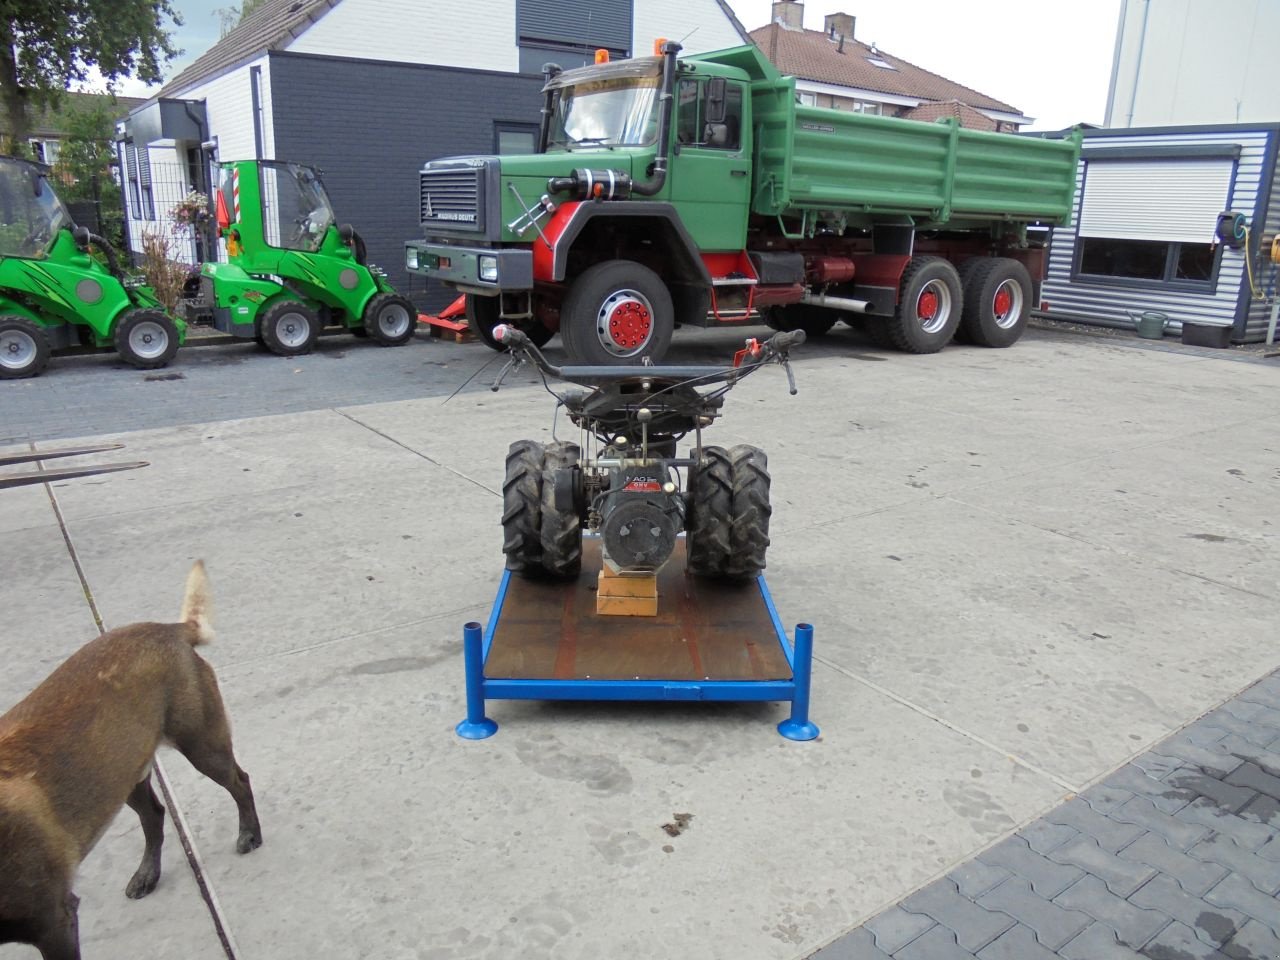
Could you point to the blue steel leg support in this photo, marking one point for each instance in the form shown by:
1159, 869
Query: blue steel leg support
798, 726
477, 726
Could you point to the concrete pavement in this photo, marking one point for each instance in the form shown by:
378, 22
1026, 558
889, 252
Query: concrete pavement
1024, 567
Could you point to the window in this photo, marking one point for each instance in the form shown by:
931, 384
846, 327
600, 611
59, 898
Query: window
568, 32
691, 107
867, 106
514, 138
806, 99
46, 151
1158, 261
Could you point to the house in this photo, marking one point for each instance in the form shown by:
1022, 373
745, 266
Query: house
1194, 63
1145, 234
834, 69
49, 126
368, 90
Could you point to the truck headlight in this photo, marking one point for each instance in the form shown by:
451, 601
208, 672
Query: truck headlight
411, 258
489, 269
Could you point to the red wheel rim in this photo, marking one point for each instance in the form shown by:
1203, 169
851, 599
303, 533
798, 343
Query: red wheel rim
628, 324
1003, 301
927, 305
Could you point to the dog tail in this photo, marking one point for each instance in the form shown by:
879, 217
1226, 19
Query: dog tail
197, 605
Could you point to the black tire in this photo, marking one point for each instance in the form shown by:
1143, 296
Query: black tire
289, 328
877, 331
997, 302
561, 529
708, 524
482, 317
749, 535
814, 321
24, 349
617, 312
965, 271
930, 301
390, 320
522, 507
145, 339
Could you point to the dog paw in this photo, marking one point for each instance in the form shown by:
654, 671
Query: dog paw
248, 841
142, 883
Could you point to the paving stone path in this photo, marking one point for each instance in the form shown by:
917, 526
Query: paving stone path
1175, 856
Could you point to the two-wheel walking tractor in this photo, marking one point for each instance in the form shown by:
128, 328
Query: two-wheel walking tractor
622, 582
291, 270
55, 293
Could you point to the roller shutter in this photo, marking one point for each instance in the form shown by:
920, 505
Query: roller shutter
1171, 200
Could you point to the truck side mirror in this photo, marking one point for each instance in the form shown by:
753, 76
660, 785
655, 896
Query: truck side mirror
716, 100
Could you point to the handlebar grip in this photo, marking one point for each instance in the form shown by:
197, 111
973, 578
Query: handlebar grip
786, 340
509, 336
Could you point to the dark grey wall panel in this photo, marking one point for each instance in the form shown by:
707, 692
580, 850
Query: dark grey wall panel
370, 126
593, 23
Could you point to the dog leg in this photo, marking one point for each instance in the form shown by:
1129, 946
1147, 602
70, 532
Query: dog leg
144, 802
210, 753
61, 937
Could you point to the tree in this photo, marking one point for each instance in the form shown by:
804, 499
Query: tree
46, 45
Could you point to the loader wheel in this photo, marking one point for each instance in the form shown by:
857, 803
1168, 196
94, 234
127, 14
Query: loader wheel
617, 312
24, 349
390, 320
929, 306
749, 535
997, 303
146, 339
708, 526
561, 527
482, 317
289, 328
814, 321
522, 507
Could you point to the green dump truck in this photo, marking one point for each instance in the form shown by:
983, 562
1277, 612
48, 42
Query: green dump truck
697, 190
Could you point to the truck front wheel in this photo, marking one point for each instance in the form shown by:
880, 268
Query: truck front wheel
929, 306
617, 312
997, 302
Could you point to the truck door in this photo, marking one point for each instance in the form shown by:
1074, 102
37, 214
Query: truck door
711, 162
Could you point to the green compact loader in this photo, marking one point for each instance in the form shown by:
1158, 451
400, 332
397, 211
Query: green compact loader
291, 270
54, 293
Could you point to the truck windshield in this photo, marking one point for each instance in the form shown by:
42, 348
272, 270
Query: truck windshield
611, 113
30, 212
296, 211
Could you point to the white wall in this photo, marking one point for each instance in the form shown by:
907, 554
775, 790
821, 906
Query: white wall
229, 109
1195, 61
409, 31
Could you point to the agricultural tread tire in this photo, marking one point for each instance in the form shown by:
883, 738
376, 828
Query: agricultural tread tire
30, 341
749, 536
979, 323
269, 328
122, 337
375, 328
904, 328
708, 525
522, 506
561, 530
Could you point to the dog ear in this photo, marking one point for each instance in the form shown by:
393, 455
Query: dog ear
197, 605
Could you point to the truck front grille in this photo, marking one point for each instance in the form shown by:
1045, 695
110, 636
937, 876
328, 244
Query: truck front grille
451, 197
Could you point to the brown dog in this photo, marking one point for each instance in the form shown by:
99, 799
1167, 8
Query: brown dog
82, 743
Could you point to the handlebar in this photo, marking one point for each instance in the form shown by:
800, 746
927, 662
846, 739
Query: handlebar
773, 349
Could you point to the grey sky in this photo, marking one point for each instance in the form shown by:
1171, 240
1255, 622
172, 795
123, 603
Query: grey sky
1049, 58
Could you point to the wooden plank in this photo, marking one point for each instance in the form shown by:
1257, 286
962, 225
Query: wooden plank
703, 630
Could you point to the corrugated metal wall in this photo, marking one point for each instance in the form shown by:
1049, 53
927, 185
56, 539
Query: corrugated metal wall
1110, 304
1267, 275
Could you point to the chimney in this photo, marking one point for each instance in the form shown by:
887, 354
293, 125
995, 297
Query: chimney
837, 25
789, 13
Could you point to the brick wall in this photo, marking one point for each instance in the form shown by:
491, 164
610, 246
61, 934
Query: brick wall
371, 125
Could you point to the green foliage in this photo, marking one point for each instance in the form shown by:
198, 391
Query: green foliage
48, 45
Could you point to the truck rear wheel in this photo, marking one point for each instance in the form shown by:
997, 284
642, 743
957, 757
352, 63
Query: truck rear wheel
289, 328
929, 306
146, 339
390, 320
482, 317
560, 528
997, 302
24, 349
814, 321
522, 506
617, 312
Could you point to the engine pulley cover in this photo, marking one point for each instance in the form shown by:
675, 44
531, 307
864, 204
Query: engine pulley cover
640, 532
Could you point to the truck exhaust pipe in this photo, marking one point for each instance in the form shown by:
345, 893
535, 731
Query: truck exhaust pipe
847, 304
